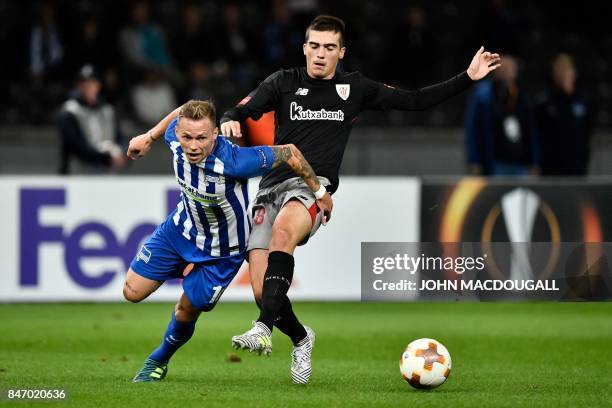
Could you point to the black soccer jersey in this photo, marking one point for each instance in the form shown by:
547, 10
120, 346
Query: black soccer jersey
317, 115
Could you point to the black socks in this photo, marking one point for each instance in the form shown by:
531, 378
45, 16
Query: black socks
277, 281
288, 323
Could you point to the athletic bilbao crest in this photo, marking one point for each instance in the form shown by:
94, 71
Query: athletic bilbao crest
344, 90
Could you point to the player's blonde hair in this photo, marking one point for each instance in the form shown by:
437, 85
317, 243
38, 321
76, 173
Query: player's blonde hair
198, 110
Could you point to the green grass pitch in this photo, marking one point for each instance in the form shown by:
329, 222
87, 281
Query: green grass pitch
504, 354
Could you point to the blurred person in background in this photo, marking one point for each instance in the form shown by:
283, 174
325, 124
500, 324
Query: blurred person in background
143, 43
46, 48
152, 97
96, 47
191, 36
500, 26
91, 45
418, 44
199, 85
277, 36
89, 129
237, 43
563, 117
46, 64
501, 137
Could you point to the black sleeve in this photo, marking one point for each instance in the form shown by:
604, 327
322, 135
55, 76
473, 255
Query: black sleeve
382, 97
263, 99
74, 141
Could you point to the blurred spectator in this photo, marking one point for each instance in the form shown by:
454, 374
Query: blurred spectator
303, 11
45, 89
193, 42
153, 98
277, 37
111, 89
366, 42
237, 44
501, 137
46, 49
499, 27
200, 85
564, 123
91, 46
233, 37
89, 129
412, 45
143, 44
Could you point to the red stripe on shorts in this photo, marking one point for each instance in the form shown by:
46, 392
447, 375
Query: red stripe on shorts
313, 213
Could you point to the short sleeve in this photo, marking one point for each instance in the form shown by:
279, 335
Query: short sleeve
170, 135
249, 161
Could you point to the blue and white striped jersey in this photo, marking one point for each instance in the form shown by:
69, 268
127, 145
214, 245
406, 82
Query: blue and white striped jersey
212, 213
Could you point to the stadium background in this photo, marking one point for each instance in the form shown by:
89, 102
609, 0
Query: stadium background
392, 156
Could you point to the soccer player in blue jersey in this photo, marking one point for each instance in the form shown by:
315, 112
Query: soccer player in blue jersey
210, 226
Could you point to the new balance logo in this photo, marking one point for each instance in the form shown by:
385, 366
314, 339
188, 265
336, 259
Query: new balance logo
302, 91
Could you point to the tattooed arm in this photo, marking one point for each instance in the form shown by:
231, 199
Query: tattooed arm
293, 157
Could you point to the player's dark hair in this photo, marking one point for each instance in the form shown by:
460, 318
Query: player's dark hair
198, 110
328, 23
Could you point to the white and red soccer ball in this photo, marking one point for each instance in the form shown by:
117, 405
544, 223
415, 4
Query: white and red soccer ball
425, 363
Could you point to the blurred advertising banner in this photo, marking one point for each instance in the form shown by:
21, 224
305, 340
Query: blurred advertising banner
515, 210
72, 239
486, 271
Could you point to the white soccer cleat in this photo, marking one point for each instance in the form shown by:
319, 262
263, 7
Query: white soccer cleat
257, 340
301, 366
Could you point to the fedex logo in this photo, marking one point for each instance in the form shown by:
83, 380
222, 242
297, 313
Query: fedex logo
33, 234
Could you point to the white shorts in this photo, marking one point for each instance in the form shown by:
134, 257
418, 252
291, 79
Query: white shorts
270, 200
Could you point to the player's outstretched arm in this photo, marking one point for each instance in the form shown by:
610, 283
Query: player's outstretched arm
140, 145
293, 157
483, 63
381, 96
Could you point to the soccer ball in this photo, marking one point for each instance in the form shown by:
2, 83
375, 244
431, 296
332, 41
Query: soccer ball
425, 363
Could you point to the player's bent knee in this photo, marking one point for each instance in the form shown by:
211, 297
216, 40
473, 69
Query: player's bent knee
130, 294
186, 314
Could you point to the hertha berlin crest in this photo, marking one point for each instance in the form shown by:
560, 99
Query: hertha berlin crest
344, 90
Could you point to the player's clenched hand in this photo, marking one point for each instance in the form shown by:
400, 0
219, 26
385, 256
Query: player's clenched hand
231, 128
139, 146
483, 63
325, 205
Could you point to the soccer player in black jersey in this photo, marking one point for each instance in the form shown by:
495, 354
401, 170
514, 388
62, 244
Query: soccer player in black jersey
315, 109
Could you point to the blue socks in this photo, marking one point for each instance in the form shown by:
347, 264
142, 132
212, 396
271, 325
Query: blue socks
176, 335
